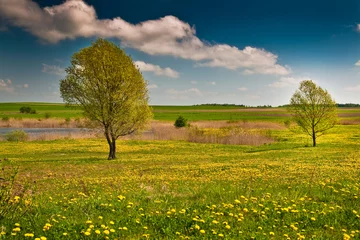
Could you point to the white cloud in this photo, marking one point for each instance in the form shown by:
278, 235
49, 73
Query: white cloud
212, 83
52, 69
242, 89
286, 82
26, 85
6, 86
147, 67
165, 36
357, 63
183, 94
353, 88
152, 86
193, 82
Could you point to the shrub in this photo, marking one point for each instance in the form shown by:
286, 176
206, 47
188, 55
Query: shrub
180, 122
47, 115
27, 110
16, 136
5, 118
67, 121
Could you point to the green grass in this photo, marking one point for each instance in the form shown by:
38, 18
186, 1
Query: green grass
176, 189
167, 113
56, 110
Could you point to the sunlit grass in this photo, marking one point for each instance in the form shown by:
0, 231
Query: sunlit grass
181, 190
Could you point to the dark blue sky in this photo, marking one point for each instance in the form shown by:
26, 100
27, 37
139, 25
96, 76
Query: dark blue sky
245, 52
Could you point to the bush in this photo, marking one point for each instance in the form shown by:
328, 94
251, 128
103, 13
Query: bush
16, 136
47, 115
26, 109
181, 122
67, 121
5, 118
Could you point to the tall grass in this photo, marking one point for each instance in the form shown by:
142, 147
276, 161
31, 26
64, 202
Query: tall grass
210, 132
232, 135
42, 123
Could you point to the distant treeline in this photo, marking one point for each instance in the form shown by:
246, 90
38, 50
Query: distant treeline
340, 105
348, 105
232, 105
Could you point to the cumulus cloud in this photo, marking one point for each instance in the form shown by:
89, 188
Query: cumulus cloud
152, 86
212, 83
183, 94
357, 63
286, 82
147, 67
165, 36
193, 82
353, 88
52, 69
6, 86
242, 89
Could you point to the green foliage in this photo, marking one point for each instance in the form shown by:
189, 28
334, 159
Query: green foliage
313, 110
27, 109
47, 115
16, 136
181, 122
5, 118
67, 121
106, 84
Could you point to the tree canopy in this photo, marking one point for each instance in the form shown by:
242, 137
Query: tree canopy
313, 109
110, 89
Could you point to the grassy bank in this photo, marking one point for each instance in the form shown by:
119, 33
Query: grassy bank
177, 189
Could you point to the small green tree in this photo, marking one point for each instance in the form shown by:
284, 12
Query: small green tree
16, 136
109, 88
25, 109
180, 122
313, 110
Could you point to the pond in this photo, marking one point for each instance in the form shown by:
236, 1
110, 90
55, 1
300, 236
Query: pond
38, 131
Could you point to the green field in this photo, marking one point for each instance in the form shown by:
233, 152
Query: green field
170, 113
65, 189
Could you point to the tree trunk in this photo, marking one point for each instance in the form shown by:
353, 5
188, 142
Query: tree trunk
112, 145
314, 138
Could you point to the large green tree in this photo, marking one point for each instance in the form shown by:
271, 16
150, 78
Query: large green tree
313, 109
104, 81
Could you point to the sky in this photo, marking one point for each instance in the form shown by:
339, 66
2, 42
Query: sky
190, 52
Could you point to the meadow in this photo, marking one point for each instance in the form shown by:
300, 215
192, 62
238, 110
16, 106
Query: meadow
176, 189
169, 113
